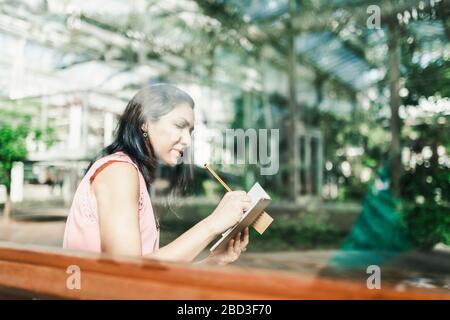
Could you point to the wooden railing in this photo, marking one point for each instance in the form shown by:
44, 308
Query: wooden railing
27, 272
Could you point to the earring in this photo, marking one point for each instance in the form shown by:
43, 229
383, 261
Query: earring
145, 135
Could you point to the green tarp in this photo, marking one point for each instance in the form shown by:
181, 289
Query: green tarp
379, 233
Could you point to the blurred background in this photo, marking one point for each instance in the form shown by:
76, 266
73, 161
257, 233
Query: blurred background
359, 91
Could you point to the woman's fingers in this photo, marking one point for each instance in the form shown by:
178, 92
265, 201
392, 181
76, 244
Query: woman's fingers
245, 239
230, 249
231, 252
237, 244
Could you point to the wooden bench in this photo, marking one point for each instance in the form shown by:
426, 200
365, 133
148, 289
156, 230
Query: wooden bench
38, 272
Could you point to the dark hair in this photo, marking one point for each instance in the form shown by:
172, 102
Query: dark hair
149, 104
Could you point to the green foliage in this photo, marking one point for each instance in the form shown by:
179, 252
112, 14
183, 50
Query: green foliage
212, 188
15, 127
419, 78
47, 135
296, 231
12, 147
304, 232
426, 187
361, 131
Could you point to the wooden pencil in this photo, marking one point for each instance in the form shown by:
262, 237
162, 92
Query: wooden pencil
217, 177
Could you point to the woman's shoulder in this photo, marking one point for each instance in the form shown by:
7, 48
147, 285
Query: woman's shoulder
114, 168
122, 174
119, 181
106, 160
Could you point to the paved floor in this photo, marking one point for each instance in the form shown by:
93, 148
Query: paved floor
47, 233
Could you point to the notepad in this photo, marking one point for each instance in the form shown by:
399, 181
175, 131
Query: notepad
259, 202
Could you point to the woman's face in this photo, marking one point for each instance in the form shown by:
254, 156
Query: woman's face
171, 134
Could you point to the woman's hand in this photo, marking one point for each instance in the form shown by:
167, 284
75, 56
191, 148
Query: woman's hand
231, 252
229, 211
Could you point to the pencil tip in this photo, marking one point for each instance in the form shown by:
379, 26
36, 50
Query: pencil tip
205, 165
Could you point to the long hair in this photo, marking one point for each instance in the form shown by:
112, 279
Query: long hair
149, 104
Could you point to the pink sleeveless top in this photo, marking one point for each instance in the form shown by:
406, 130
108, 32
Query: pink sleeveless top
82, 231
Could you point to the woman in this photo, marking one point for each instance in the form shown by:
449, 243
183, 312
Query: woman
112, 211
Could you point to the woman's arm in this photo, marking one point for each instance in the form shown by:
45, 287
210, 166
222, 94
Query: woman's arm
116, 190
192, 242
187, 246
